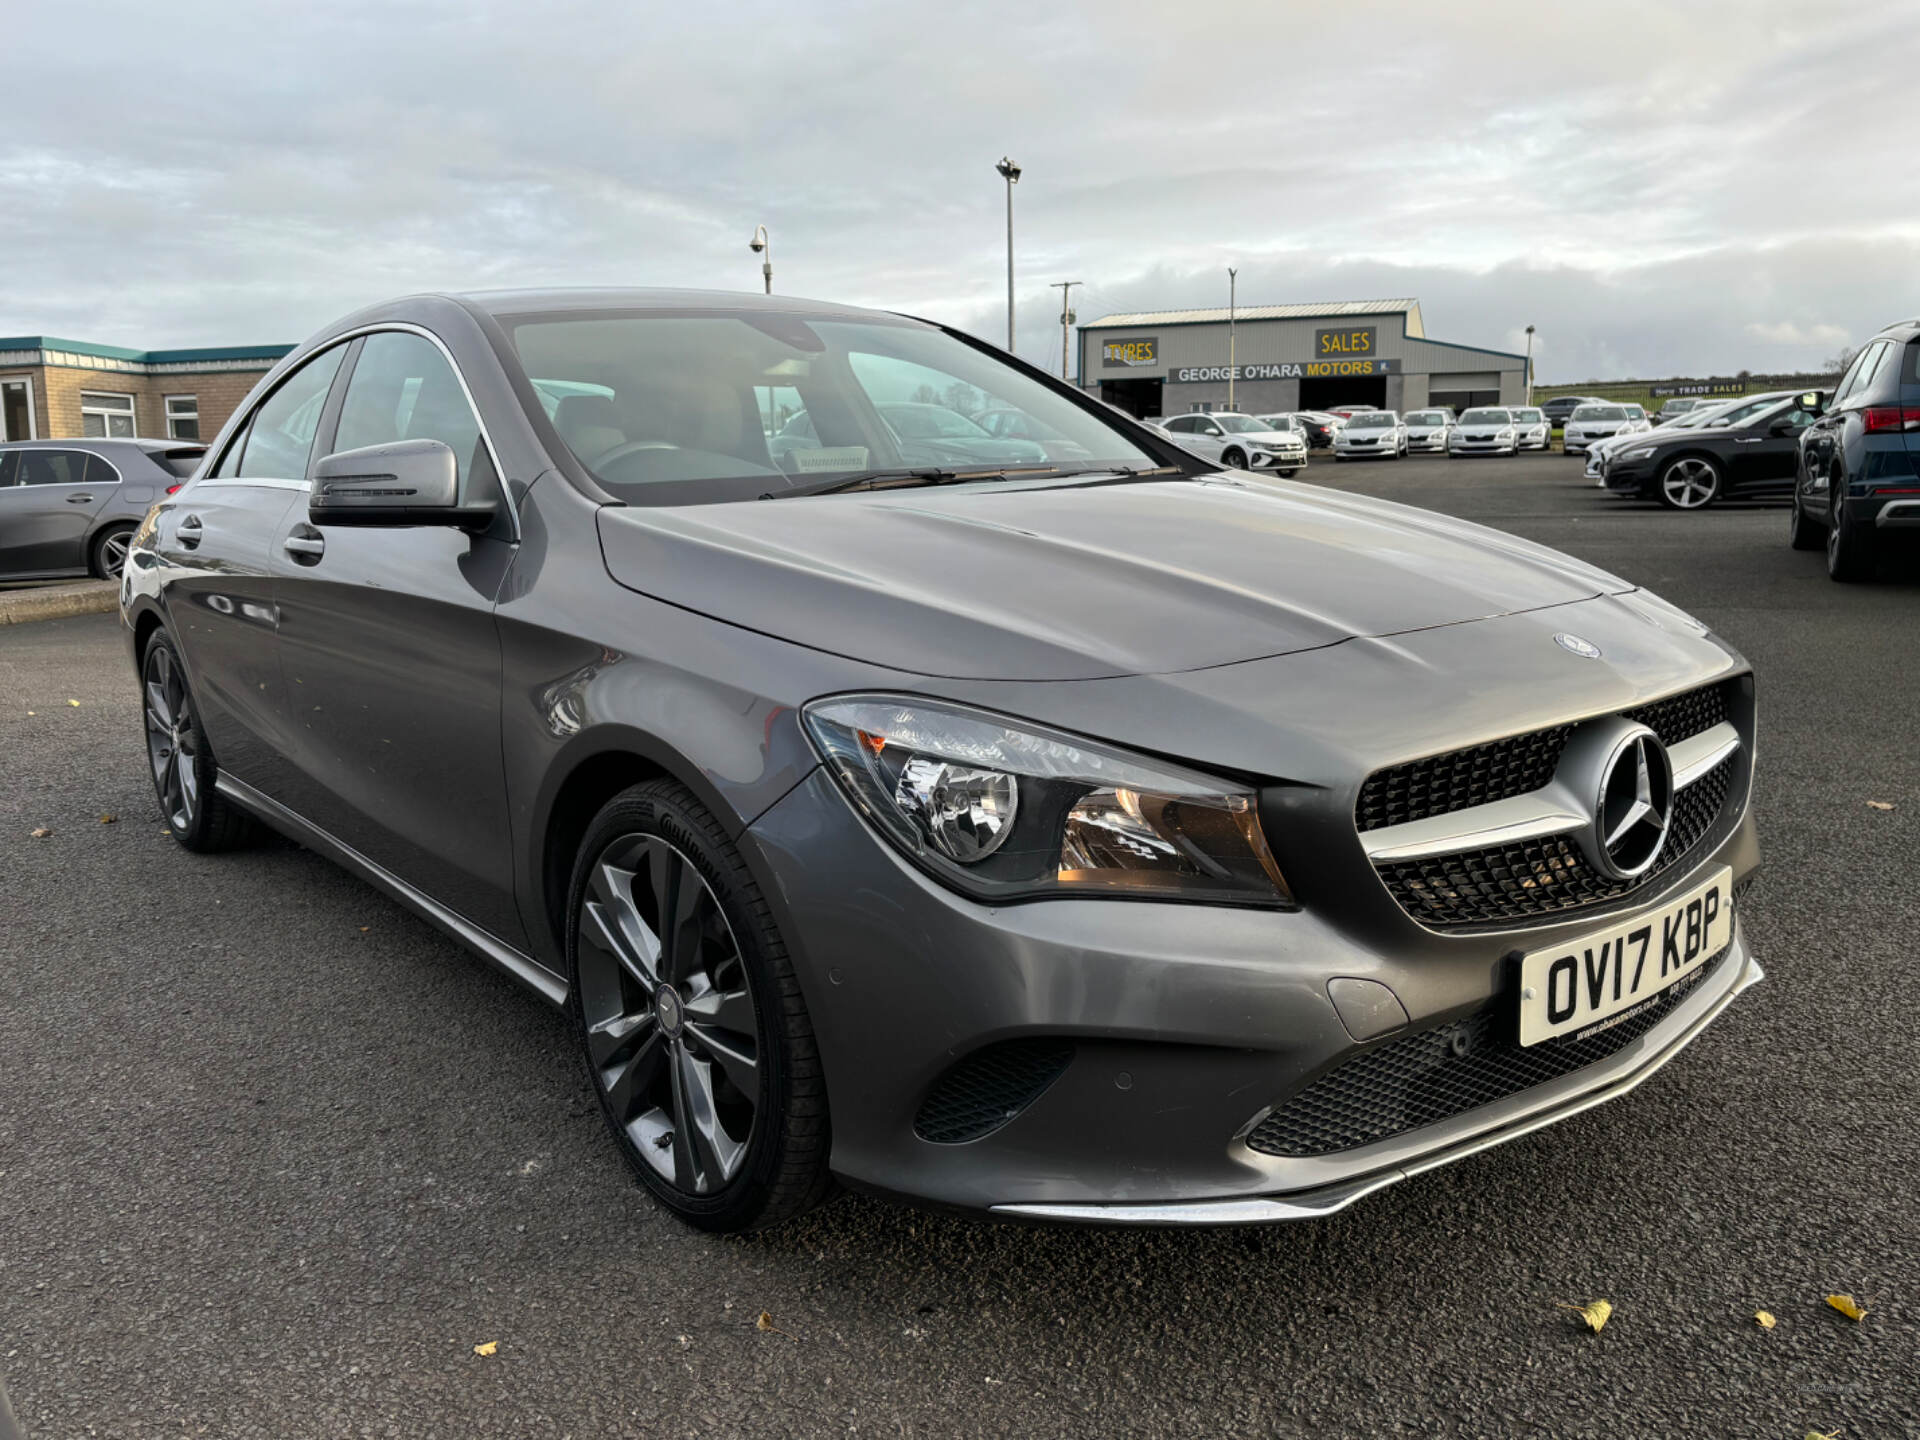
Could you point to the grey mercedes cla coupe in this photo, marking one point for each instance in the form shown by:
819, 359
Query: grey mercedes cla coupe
1108, 840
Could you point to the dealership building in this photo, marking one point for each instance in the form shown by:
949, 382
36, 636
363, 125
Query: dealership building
64, 389
1290, 357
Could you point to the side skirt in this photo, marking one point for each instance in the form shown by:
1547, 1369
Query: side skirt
497, 952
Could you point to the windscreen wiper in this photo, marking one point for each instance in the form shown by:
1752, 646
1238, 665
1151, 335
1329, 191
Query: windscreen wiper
922, 475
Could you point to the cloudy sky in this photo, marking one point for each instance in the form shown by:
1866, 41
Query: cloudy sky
1681, 187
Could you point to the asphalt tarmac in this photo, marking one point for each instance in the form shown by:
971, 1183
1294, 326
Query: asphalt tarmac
275, 1157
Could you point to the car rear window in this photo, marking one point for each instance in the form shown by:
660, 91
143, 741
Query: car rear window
182, 462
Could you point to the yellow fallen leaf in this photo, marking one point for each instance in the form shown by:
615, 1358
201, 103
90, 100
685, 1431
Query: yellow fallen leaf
1595, 1314
41, 833
765, 1322
74, 703
1816, 1435
1879, 804
108, 819
1848, 1306
1767, 1322
486, 1349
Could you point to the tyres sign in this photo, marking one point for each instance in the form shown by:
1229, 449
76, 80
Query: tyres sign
1132, 353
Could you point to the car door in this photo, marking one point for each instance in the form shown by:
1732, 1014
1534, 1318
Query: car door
212, 542
1768, 452
1199, 435
48, 510
391, 656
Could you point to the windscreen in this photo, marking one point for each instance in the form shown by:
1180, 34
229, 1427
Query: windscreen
1600, 412
1528, 417
1427, 417
690, 407
1486, 417
1371, 420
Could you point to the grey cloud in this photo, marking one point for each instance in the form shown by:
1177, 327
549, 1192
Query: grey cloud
1677, 188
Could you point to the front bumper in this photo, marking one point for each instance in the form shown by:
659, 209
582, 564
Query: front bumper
1483, 447
1434, 444
1186, 1024
1364, 452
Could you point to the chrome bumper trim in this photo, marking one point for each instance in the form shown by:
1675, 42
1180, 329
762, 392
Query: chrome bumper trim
1329, 1200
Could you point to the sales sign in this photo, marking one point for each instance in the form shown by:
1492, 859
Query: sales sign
1133, 353
1353, 343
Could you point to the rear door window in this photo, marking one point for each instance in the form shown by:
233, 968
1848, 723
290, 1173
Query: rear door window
54, 467
9, 468
280, 440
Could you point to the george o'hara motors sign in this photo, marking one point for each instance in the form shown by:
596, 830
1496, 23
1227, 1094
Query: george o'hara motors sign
1304, 370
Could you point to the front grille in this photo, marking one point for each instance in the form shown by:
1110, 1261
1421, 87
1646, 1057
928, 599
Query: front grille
1538, 878
1437, 1074
1501, 769
988, 1088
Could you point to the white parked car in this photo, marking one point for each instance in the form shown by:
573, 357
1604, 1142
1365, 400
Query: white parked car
1371, 435
1589, 423
1236, 441
1485, 430
1534, 430
1429, 430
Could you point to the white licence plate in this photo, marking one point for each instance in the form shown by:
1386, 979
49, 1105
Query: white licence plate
1571, 988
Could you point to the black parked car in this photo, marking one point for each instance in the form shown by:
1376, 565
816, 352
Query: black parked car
1561, 406
1691, 469
1319, 427
1857, 476
68, 507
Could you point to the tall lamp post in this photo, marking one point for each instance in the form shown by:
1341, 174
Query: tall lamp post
1529, 365
761, 245
1233, 363
1010, 172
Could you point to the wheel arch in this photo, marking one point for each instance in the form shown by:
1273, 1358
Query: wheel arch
593, 768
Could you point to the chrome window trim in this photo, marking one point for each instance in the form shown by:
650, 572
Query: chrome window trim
375, 328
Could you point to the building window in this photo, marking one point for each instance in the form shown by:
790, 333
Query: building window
183, 417
104, 416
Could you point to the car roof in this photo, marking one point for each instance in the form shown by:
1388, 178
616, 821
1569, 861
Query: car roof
90, 442
507, 303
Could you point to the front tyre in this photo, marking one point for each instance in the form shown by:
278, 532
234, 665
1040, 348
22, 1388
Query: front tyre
688, 1011
1850, 551
1802, 532
1234, 459
1691, 482
179, 759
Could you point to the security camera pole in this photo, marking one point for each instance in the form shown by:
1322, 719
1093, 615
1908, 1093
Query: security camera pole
1529, 365
1232, 354
761, 245
1065, 287
1011, 173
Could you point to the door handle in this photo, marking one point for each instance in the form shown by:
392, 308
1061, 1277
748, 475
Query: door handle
305, 548
189, 532
79, 499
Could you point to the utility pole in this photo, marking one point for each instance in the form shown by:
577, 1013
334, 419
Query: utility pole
1233, 362
1529, 365
1011, 173
1065, 287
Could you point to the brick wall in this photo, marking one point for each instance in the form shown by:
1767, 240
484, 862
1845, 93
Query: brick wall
56, 397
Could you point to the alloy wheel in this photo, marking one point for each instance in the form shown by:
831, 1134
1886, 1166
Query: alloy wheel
671, 1024
113, 553
173, 743
1690, 483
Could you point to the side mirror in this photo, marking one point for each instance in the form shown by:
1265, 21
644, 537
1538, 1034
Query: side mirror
407, 482
1783, 427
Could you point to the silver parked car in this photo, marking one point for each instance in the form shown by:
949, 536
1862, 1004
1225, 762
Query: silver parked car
67, 507
1239, 442
1532, 428
1485, 430
1371, 435
1124, 842
1429, 430
1601, 421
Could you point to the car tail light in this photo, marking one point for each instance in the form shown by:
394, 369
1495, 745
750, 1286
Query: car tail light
1897, 490
1891, 417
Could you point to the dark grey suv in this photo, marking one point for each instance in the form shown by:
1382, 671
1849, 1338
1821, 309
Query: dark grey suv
1105, 839
68, 507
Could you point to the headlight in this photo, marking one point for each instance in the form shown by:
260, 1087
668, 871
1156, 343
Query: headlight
1506, 435
1642, 452
1003, 811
